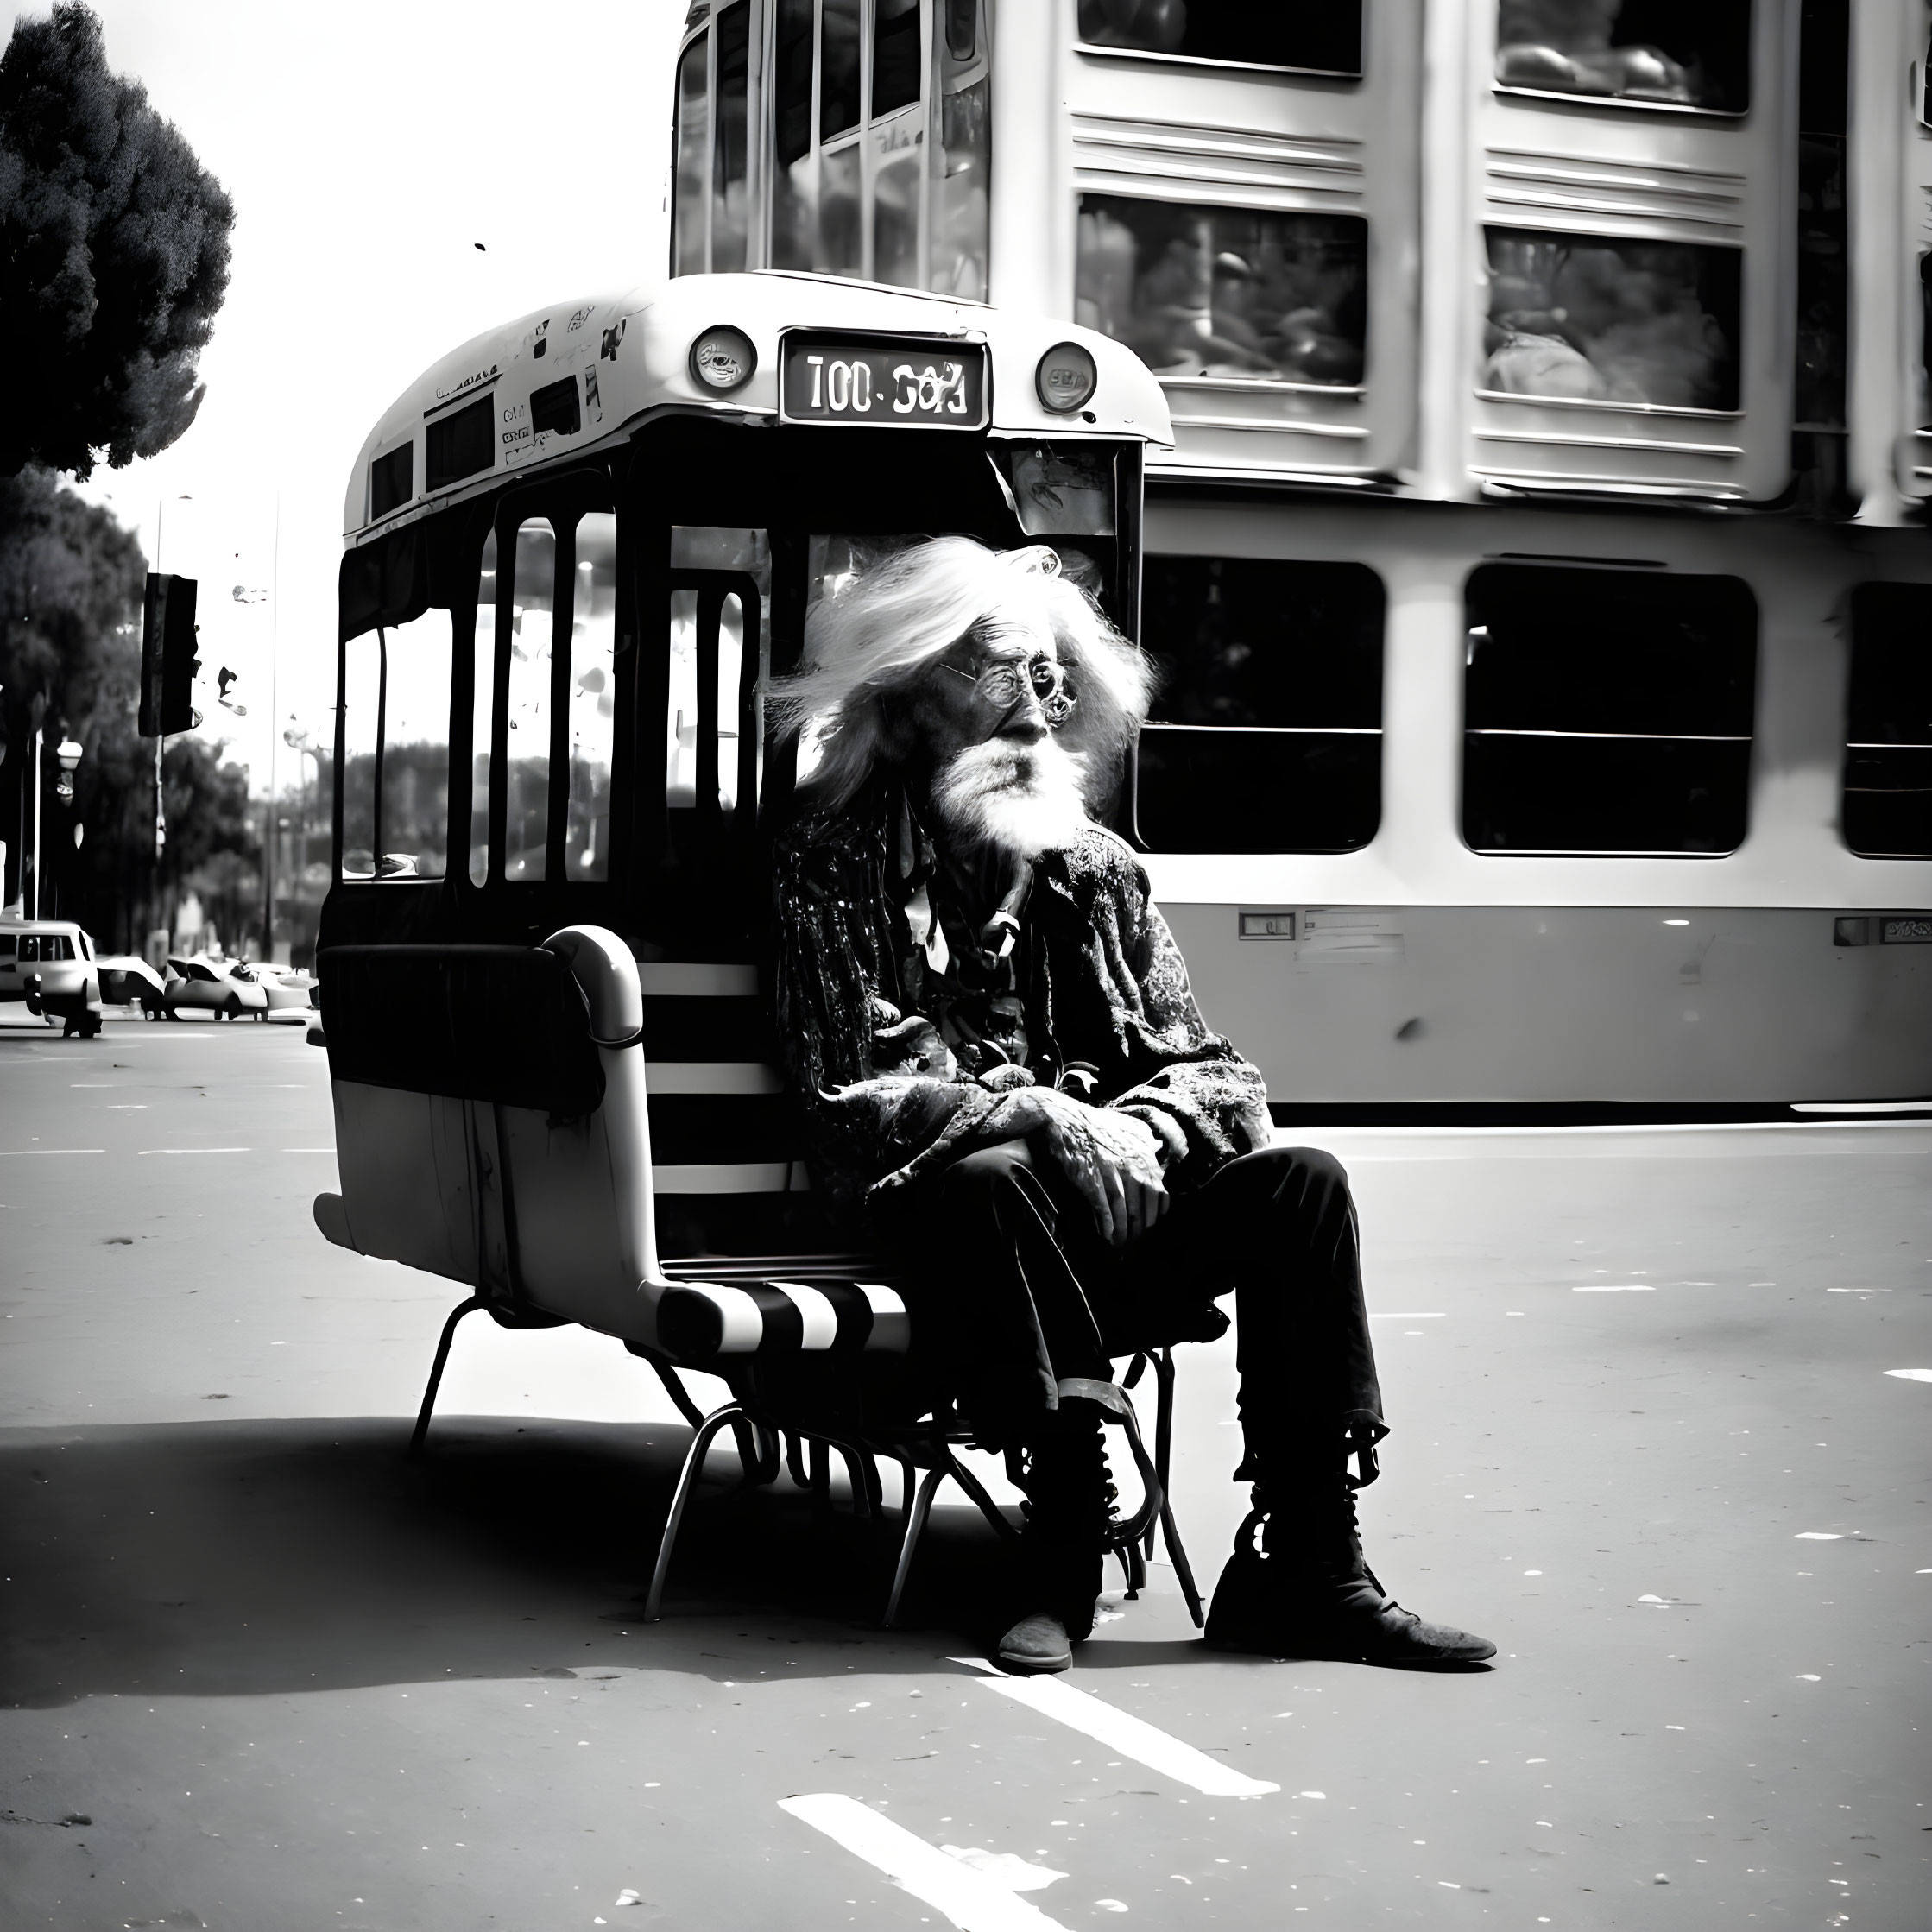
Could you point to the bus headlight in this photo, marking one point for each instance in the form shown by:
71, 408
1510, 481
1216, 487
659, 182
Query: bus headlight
1066, 378
723, 359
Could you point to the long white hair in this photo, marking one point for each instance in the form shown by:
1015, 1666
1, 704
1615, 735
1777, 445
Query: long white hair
881, 631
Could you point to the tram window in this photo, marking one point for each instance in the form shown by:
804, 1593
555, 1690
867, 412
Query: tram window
1585, 319
361, 706
1606, 711
838, 67
692, 145
840, 234
391, 481
896, 65
959, 243
482, 709
459, 444
695, 547
795, 174
1888, 732
415, 763
1267, 733
729, 153
1325, 39
555, 406
593, 733
791, 86
896, 187
1676, 53
962, 40
1226, 292
526, 755
1925, 341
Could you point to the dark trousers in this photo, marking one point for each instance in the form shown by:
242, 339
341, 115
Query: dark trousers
1011, 1289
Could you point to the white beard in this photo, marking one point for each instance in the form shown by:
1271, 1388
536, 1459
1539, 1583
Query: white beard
1025, 799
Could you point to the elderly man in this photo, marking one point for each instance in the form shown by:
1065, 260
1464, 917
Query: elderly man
991, 1031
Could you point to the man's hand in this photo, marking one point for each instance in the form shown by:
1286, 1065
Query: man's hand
1113, 1159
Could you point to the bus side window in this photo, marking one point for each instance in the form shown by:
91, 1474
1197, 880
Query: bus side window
483, 709
691, 146
362, 701
593, 698
1607, 710
1888, 734
1266, 734
526, 746
415, 763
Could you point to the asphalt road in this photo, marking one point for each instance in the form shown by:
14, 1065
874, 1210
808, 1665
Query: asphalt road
259, 1671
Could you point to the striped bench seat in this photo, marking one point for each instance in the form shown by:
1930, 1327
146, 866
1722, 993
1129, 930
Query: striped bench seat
723, 1306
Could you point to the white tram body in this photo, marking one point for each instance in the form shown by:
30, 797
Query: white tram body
1540, 563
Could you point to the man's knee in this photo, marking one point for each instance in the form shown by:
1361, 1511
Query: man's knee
1296, 1179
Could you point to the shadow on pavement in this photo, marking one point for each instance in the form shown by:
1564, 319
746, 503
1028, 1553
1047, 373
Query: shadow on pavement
247, 1557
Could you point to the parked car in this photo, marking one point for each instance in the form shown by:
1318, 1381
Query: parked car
127, 980
289, 988
49, 963
201, 985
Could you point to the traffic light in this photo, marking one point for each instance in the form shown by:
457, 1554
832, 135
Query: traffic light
168, 664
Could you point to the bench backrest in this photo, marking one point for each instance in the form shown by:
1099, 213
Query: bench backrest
541, 1122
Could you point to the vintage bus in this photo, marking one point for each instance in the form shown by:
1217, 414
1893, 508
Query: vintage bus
578, 549
1538, 569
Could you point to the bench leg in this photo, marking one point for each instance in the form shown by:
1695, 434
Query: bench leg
723, 1417
436, 1369
921, 1507
974, 1488
1164, 1424
1183, 1569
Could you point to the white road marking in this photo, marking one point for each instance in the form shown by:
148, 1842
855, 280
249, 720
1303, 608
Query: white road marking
1911, 1374
970, 1899
1615, 1288
11, 1153
197, 1149
1118, 1730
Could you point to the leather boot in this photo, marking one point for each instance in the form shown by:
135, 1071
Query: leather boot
1297, 1586
1069, 1505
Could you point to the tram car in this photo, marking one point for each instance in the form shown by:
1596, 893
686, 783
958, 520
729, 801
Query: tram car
1538, 568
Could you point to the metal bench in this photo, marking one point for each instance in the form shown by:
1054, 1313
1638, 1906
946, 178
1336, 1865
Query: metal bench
545, 1124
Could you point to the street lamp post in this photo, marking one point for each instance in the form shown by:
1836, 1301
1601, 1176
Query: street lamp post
68, 754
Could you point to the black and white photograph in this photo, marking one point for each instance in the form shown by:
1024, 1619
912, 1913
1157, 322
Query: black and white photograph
862, 858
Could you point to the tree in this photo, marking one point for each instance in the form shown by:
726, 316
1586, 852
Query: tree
113, 255
70, 581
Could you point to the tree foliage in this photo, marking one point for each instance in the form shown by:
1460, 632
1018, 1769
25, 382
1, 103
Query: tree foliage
70, 581
113, 255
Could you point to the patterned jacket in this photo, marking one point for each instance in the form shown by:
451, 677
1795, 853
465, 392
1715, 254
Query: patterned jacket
1102, 981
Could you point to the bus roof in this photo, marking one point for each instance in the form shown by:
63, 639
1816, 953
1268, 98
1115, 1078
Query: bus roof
608, 363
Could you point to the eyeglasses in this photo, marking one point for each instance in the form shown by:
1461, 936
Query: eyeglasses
1005, 687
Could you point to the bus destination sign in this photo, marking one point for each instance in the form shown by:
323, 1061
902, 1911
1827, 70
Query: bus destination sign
837, 379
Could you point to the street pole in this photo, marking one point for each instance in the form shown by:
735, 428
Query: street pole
35, 912
272, 826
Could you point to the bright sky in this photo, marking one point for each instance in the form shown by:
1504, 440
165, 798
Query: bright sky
368, 148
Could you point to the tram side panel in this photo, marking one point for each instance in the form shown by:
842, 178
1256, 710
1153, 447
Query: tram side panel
1391, 958
1630, 221
1247, 202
